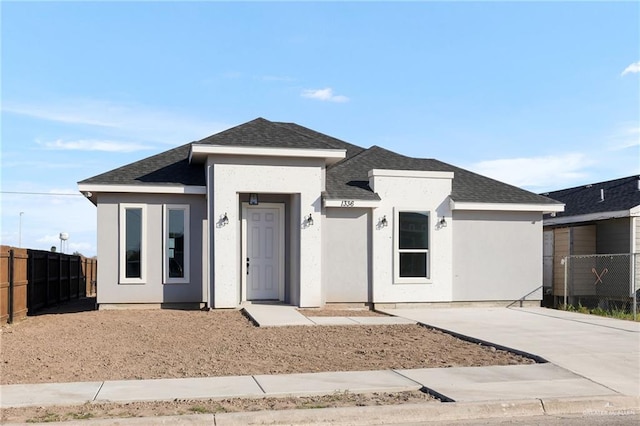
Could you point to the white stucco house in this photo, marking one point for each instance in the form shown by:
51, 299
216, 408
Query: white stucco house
276, 211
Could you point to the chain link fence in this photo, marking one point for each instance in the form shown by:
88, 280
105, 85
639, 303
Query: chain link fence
605, 284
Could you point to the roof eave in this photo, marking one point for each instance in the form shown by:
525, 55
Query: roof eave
591, 217
93, 189
199, 152
514, 207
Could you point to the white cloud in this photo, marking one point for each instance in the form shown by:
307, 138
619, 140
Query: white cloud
624, 137
45, 216
535, 172
632, 69
124, 121
94, 145
324, 95
49, 239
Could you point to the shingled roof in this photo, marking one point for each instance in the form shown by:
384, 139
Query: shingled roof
345, 179
619, 195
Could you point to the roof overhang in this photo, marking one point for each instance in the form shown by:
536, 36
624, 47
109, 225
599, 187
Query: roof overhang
410, 174
351, 203
511, 207
200, 152
90, 190
591, 217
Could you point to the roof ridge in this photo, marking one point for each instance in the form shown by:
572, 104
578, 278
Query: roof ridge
348, 160
587, 185
280, 124
295, 128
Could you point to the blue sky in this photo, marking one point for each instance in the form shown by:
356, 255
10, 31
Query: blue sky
541, 95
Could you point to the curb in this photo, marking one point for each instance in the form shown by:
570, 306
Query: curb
397, 414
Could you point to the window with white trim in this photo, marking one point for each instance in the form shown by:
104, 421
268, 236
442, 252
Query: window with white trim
176, 244
412, 247
133, 250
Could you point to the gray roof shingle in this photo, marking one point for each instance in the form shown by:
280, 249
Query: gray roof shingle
167, 168
345, 179
619, 194
349, 179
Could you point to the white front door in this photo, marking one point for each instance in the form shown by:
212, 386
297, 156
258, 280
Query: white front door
264, 252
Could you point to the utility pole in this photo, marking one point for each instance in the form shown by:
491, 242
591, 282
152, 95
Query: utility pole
20, 231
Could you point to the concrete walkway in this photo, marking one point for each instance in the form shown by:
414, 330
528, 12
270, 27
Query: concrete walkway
278, 315
603, 350
466, 384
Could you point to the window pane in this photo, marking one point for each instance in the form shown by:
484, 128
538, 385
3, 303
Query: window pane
176, 244
413, 265
413, 230
133, 231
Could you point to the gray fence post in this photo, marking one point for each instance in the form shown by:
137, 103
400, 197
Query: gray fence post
633, 286
565, 261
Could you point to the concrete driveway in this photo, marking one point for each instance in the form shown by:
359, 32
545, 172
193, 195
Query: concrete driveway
603, 350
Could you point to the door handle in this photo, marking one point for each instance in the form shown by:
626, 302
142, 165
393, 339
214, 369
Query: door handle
247, 266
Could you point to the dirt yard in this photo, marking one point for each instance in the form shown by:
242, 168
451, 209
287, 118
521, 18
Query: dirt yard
79, 345
75, 343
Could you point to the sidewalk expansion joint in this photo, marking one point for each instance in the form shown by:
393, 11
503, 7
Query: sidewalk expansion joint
98, 391
424, 389
259, 385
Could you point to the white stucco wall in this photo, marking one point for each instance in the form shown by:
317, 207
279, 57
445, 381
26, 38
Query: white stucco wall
153, 290
231, 175
419, 191
497, 256
346, 252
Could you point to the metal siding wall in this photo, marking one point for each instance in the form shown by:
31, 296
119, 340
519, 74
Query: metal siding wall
613, 236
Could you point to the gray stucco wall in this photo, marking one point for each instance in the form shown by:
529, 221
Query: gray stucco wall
346, 254
153, 290
497, 255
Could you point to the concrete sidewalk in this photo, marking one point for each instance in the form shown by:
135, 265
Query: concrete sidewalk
496, 383
279, 315
603, 350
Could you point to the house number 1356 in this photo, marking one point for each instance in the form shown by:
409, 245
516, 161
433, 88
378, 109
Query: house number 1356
347, 203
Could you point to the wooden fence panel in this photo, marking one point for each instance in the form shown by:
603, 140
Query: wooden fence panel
13, 284
33, 279
4, 284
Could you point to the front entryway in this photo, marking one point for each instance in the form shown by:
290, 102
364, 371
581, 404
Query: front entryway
263, 251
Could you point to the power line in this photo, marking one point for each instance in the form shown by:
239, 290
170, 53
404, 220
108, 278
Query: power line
40, 193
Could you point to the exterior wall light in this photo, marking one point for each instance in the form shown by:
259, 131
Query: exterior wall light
253, 199
382, 223
442, 223
224, 221
308, 221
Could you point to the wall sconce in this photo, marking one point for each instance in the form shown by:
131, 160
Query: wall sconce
442, 223
224, 221
253, 199
382, 223
308, 221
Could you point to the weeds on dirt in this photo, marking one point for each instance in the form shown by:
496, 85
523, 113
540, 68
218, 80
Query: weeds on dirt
208, 406
609, 313
46, 418
80, 416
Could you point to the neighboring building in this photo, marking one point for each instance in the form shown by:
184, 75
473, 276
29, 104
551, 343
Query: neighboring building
276, 211
599, 218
